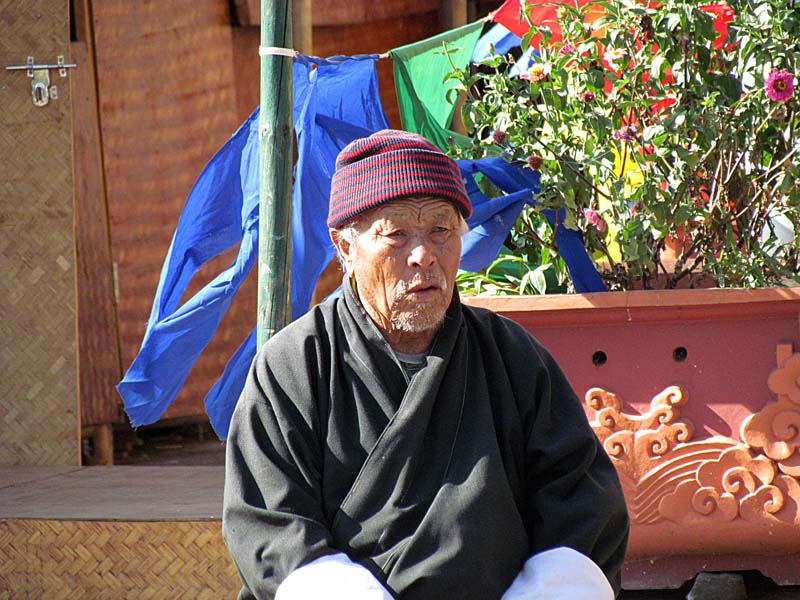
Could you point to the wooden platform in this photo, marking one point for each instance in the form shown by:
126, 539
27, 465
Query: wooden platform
113, 532
140, 533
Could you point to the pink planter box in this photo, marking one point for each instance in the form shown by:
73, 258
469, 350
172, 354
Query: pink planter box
696, 397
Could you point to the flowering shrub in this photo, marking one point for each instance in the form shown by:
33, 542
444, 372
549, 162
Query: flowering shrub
668, 132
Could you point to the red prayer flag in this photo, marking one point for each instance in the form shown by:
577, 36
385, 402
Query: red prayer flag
723, 14
544, 12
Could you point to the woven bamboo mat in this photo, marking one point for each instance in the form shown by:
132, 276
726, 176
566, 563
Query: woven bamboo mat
113, 532
114, 560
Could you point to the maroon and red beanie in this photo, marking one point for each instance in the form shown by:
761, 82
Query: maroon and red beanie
389, 165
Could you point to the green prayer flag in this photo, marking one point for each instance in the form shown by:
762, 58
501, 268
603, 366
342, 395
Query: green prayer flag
419, 72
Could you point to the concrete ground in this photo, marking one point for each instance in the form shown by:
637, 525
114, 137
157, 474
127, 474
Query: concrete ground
750, 586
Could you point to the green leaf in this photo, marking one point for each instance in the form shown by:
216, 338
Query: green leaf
595, 79
731, 86
673, 21
538, 280
526, 39
657, 66
653, 133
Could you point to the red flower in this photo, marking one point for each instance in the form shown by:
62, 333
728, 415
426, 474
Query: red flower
535, 161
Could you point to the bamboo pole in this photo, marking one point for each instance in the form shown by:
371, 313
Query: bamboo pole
275, 136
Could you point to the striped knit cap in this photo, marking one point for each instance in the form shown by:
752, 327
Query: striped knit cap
389, 165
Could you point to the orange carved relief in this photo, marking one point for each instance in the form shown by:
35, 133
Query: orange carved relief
775, 430
785, 381
637, 443
670, 478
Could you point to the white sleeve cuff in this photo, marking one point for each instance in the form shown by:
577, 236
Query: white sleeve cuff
559, 574
333, 577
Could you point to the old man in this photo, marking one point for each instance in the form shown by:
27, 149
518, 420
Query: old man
394, 443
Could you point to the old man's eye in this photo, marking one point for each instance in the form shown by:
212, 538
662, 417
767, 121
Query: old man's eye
440, 234
395, 236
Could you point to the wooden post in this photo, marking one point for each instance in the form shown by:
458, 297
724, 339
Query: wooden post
453, 14
102, 436
302, 36
275, 136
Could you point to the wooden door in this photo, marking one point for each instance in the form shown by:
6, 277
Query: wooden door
39, 416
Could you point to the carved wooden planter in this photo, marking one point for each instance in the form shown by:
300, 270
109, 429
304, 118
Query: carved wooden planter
695, 395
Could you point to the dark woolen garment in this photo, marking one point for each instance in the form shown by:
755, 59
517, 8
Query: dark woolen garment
442, 487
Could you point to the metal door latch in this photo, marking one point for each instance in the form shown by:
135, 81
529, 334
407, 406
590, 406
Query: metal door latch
41, 90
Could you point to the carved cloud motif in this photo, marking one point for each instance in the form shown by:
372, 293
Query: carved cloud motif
636, 442
668, 476
785, 381
775, 429
734, 485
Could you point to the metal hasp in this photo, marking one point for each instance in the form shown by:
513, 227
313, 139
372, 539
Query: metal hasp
275, 137
41, 90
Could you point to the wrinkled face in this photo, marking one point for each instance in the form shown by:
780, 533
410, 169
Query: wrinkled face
404, 258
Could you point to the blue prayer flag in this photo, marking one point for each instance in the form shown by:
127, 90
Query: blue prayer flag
221, 210
335, 101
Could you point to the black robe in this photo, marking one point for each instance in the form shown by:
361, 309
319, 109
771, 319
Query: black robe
442, 487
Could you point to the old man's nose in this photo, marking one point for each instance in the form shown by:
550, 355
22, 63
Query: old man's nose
421, 254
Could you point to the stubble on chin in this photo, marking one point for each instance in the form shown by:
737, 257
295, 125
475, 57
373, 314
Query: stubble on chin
417, 317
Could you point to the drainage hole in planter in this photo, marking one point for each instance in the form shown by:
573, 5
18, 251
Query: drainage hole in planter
679, 354
599, 358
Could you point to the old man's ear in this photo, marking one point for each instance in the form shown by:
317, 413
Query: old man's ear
343, 242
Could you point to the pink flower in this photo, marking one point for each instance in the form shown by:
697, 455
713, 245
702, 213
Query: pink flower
594, 219
779, 85
625, 133
566, 49
587, 96
537, 73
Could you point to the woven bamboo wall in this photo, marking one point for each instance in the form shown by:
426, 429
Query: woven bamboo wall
38, 397
112, 560
167, 96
